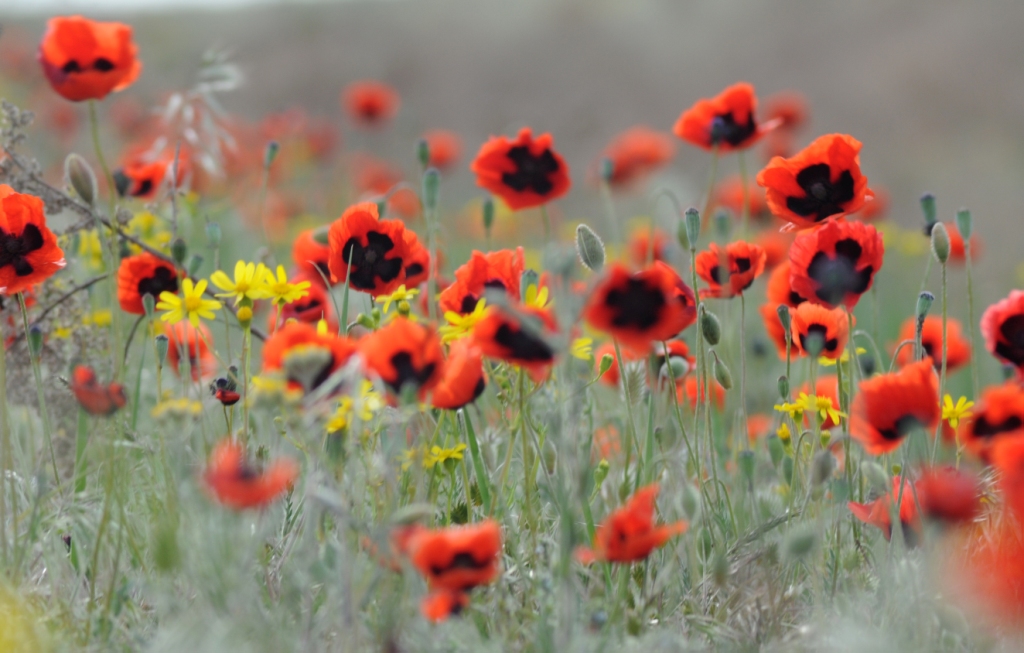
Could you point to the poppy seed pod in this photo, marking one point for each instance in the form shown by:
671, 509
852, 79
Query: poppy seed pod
776, 450
179, 250
784, 318
692, 220
964, 224
213, 233
488, 214
270, 153
607, 169
924, 304
35, 340
193, 264
423, 153
590, 248
784, 386
431, 188
161, 349
928, 209
722, 373
79, 175
940, 242
709, 326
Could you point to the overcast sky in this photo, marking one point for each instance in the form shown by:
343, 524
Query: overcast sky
86, 6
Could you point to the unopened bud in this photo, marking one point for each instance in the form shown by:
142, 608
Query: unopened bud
589, 248
709, 325
776, 450
607, 170
784, 386
270, 153
692, 219
244, 315
964, 224
787, 470
606, 364
431, 188
213, 233
722, 373
784, 318
549, 454
35, 340
876, 476
488, 214
822, 467
928, 209
81, 178
675, 367
366, 321
924, 304
601, 472
161, 349
193, 264
423, 153
179, 250
529, 278
720, 568
746, 461
897, 468
940, 242
148, 304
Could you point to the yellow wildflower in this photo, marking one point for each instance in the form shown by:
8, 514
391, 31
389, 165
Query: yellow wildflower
400, 295
281, 290
536, 298
825, 361
953, 413
795, 410
460, 326
582, 348
190, 305
822, 406
101, 318
783, 432
341, 417
249, 282
180, 408
440, 456
90, 249
62, 332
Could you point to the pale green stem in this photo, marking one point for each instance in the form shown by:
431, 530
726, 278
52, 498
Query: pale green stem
970, 320
745, 210
942, 373
38, 374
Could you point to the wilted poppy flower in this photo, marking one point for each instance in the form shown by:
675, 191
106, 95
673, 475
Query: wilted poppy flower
998, 414
236, 484
183, 336
877, 513
729, 271
404, 352
629, 533
444, 147
729, 194
85, 60
836, 263
636, 153
958, 348
693, 391
1002, 326
642, 251
225, 389
305, 356
524, 172
454, 561
311, 253
518, 338
889, 406
948, 495
821, 181
725, 122
314, 306
826, 325
463, 379
144, 274
369, 102
94, 397
375, 248
640, 308
499, 270
29, 253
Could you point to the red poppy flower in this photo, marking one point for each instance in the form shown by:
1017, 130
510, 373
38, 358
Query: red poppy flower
690, 393
404, 352
369, 102
445, 148
759, 425
236, 484
85, 59
375, 248
744, 263
1007, 456
835, 264
311, 253
949, 495
876, 205
29, 253
524, 172
144, 274
607, 443
985, 574
629, 533
636, 153
184, 337
824, 386
463, 379
789, 108
828, 325
500, 270
779, 290
640, 248
643, 307
417, 267
725, 121
773, 327
94, 397
776, 246
1002, 326
312, 308
889, 406
306, 357
142, 175
877, 513
519, 338
821, 181
225, 389
729, 194
958, 348
998, 414
441, 604
458, 558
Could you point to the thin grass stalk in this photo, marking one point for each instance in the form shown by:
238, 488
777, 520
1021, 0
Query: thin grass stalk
5, 445
37, 374
942, 372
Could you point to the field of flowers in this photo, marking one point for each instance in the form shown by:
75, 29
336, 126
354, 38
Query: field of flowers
261, 390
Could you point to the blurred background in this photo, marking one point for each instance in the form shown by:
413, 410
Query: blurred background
933, 88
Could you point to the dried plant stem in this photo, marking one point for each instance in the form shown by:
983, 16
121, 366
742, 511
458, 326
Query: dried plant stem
44, 414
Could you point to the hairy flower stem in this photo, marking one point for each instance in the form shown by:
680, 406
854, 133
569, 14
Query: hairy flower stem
970, 319
743, 372
942, 372
246, 363
38, 374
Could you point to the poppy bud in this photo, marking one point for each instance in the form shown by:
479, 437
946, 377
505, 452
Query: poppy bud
940, 242
875, 474
213, 233
550, 456
589, 248
787, 470
784, 319
675, 367
179, 250
964, 224
723, 223
722, 373
606, 364
529, 278
924, 304
745, 460
423, 153
822, 467
79, 175
35, 340
244, 315
692, 219
814, 343
366, 321
193, 264
775, 450
784, 386
709, 325
488, 215
607, 170
270, 153
161, 349
800, 542
431, 188
148, 304
928, 208
897, 468
691, 501
601, 472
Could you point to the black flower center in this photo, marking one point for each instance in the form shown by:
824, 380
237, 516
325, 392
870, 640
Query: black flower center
637, 305
123, 185
1011, 346
163, 279
819, 333
982, 428
367, 263
14, 249
839, 276
522, 345
413, 269
900, 428
795, 299
406, 372
823, 196
724, 128
532, 172
462, 560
